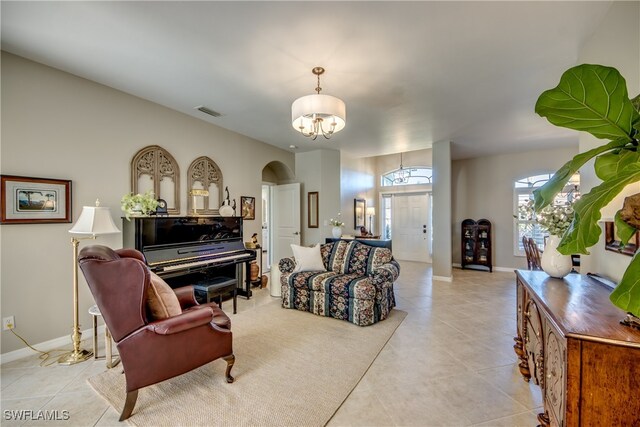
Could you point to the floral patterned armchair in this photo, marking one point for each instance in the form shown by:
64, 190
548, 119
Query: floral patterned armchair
357, 285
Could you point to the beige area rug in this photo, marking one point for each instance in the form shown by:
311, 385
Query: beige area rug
292, 368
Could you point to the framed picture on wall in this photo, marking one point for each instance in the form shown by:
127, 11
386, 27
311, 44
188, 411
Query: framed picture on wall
359, 208
312, 210
28, 200
248, 207
613, 243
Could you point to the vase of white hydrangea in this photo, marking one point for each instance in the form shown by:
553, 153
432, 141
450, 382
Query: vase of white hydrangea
337, 224
556, 219
553, 262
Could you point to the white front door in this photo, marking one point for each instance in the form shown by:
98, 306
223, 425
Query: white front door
410, 227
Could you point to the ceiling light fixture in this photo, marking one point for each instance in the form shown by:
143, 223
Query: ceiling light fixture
401, 175
314, 115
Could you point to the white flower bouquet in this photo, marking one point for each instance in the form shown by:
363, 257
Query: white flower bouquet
336, 222
555, 219
140, 203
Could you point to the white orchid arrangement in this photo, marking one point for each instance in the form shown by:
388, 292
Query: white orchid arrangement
336, 222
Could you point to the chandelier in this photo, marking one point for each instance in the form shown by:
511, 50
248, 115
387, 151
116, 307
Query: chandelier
401, 175
314, 115
574, 187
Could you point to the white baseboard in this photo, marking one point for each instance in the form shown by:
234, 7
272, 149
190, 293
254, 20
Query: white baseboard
443, 278
505, 269
61, 342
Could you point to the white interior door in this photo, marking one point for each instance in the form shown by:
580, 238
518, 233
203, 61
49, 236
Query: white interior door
285, 211
266, 227
285, 228
410, 227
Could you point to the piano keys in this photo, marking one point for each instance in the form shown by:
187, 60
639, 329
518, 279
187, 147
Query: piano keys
204, 263
187, 250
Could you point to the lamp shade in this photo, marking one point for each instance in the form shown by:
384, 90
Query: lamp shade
95, 220
305, 109
371, 211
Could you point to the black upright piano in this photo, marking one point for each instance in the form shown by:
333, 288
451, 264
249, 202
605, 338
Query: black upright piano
190, 250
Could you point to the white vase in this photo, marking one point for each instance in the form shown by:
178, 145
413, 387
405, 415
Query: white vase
226, 210
553, 262
136, 211
337, 232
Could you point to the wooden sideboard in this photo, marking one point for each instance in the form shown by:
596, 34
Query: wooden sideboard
570, 342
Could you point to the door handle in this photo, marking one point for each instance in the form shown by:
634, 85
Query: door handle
297, 233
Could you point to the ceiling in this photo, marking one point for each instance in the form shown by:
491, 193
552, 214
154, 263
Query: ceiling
410, 73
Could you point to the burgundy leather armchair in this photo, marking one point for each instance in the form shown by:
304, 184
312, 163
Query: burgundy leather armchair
152, 350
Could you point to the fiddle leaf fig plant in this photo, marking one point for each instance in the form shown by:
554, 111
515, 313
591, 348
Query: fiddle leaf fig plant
594, 99
624, 230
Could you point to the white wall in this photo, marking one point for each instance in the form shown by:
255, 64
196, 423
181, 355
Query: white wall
319, 170
442, 210
615, 43
390, 162
361, 180
56, 125
483, 188
358, 181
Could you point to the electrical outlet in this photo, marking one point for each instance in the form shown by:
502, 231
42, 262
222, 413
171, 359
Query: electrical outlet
8, 323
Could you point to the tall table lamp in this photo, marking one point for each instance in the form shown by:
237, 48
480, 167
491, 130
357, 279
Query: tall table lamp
371, 211
93, 221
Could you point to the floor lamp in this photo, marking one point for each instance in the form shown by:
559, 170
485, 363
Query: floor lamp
371, 211
93, 221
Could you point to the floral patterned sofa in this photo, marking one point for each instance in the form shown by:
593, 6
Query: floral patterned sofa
357, 285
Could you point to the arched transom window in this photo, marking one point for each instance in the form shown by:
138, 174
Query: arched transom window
407, 176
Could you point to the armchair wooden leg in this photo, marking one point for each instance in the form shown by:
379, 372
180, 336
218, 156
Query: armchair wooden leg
132, 396
230, 361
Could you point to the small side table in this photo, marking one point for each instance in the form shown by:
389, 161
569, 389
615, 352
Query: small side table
95, 312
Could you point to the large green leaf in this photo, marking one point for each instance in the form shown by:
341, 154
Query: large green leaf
590, 98
607, 166
627, 294
623, 230
544, 195
636, 104
585, 231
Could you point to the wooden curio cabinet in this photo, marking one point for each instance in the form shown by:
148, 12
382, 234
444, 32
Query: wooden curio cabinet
476, 244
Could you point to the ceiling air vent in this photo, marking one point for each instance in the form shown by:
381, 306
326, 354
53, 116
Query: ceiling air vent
208, 111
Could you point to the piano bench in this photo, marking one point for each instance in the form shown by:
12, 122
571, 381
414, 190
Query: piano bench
207, 290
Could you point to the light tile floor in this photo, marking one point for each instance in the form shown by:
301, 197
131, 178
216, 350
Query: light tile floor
450, 363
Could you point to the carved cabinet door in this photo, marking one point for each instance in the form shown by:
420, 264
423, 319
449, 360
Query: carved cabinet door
518, 347
555, 375
533, 341
520, 291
